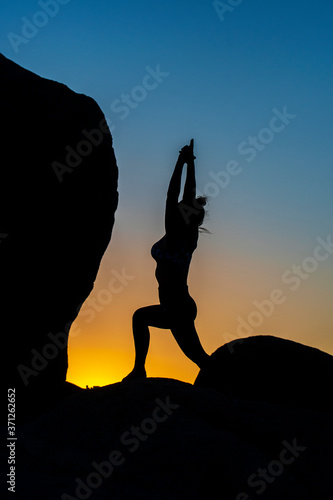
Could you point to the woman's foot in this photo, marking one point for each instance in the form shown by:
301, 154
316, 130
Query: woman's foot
139, 372
205, 362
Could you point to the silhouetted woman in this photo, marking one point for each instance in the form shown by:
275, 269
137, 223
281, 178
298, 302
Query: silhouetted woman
177, 310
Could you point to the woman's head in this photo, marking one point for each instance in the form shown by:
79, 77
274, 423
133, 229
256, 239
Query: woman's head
194, 212
199, 215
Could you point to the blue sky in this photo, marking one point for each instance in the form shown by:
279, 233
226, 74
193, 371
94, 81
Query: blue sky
222, 80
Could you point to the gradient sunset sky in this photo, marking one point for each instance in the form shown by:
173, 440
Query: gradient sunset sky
251, 82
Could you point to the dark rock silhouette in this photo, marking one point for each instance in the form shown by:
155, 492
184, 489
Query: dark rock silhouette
58, 198
266, 368
165, 439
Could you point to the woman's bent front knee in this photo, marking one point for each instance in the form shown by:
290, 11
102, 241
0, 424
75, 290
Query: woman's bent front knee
139, 315
150, 316
144, 314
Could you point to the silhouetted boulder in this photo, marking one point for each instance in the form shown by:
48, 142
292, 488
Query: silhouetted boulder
266, 368
164, 439
58, 198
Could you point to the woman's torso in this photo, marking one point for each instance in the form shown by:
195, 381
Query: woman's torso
173, 258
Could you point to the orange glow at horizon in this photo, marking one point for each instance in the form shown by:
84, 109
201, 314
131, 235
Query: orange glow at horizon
98, 367
225, 285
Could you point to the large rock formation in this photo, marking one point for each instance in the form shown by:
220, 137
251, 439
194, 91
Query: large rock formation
58, 183
271, 369
164, 439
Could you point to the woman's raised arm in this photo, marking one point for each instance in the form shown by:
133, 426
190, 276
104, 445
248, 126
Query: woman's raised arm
190, 183
172, 209
175, 181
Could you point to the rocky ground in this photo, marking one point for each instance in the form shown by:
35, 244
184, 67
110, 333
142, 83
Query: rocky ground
165, 439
